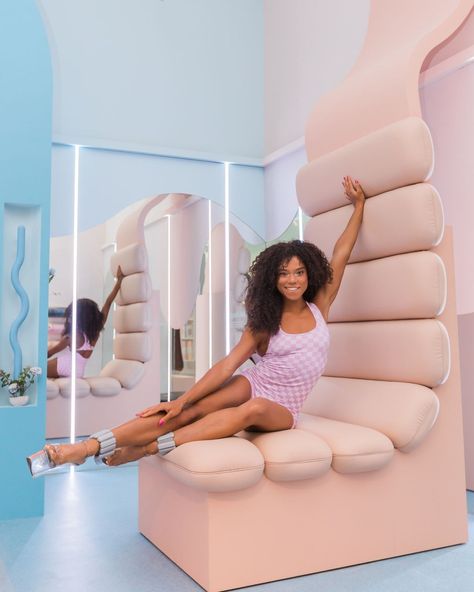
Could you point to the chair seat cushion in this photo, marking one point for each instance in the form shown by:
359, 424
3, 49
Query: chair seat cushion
104, 386
291, 455
355, 449
402, 411
127, 372
228, 464
82, 387
52, 389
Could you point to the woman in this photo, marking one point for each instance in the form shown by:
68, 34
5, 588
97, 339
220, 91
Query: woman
89, 323
291, 289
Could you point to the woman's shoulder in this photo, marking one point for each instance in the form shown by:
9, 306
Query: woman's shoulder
317, 312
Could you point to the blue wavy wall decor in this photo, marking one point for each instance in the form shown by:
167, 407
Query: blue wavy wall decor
24, 302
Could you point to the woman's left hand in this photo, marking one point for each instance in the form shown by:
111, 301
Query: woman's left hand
353, 191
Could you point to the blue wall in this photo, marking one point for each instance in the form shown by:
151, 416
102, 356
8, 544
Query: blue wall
25, 153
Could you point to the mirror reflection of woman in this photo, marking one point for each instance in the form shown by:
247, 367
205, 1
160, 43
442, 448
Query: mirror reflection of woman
291, 289
90, 320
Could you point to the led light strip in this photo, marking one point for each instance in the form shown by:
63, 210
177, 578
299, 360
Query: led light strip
74, 298
169, 308
227, 257
300, 224
209, 267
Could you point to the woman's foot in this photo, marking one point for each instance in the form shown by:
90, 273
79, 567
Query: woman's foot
128, 454
61, 454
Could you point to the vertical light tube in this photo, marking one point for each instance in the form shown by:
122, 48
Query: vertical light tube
209, 267
227, 257
114, 307
300, 224
169, 308
74, 297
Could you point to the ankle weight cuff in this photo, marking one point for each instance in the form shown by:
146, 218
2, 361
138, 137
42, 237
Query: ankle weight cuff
166, 443
107, 443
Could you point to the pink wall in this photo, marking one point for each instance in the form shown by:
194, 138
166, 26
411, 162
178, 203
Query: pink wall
447, 103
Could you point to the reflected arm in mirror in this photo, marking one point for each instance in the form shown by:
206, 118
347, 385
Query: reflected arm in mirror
343, 247
111, 297
64, 342
214, 378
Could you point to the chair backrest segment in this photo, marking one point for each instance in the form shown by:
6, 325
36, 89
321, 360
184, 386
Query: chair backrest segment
387, 347
132, 318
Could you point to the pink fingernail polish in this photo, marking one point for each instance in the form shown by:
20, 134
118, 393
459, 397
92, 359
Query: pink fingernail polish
161, 422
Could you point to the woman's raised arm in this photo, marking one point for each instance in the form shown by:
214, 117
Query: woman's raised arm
343, 247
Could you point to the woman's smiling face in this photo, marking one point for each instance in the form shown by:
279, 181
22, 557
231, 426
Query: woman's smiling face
292, 279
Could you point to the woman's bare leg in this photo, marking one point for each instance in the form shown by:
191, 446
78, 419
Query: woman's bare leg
138, 436
52, 371
258, 414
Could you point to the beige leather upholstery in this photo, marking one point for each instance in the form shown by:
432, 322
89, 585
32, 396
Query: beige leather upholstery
404, 412
65, 387
408, 286
132, 321
292, 455
134, 288
408, 351
355, 449
133, 318
52, 389
127, 372
372, 158
131, 259
102, 386
222, 465
400, 221
132, 346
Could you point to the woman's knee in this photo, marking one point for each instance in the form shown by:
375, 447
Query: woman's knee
255, 409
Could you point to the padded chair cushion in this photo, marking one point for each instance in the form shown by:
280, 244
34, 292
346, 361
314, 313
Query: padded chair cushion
400, 221
409, 286
228, 464
127, 372
134, 288
291, 455
52, 389
370, 160
355, 449
404, 412
133, 318
132, 259
103, 386
133, 346
65, 386
406, 351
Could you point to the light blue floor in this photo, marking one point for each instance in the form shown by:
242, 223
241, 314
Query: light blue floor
88, 541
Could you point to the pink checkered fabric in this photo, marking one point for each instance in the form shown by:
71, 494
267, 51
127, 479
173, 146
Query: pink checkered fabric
291, 365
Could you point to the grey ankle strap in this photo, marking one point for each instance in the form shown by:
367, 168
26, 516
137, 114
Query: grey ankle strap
166, 443
107, 444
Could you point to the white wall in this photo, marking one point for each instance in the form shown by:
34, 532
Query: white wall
177, 76
310, 46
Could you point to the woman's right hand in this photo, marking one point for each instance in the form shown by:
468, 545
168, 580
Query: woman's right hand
170, 408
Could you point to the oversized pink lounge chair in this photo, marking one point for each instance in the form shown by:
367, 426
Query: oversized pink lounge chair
374, 468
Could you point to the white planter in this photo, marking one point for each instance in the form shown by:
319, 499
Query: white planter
19, 401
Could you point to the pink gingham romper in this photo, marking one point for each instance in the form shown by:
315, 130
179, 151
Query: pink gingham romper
291, 365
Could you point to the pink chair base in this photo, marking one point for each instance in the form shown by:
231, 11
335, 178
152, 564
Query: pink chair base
276, 530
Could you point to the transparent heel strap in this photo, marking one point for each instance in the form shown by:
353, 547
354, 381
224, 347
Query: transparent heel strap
166, 443
107, 444
39, 463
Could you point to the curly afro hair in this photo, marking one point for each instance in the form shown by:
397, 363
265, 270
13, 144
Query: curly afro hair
263, 302
90, 319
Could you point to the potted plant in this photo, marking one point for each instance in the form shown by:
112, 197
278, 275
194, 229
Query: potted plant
17, 387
